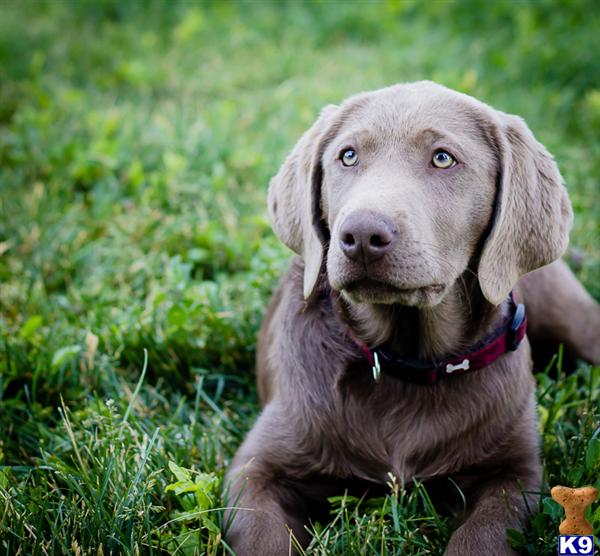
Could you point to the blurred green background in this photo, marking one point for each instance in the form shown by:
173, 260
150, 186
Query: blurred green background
136, 143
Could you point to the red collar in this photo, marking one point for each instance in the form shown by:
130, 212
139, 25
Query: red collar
506, 337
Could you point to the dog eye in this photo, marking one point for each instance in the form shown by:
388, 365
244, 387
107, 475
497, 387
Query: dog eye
349, 157
442, 159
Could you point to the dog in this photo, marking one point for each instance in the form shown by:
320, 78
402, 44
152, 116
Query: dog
422, 220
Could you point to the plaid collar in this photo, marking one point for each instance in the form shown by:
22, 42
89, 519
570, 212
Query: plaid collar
506, 337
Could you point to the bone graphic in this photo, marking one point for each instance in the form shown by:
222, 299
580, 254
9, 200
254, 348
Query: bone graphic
575, 501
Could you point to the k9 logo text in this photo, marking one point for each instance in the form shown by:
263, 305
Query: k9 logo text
575, 544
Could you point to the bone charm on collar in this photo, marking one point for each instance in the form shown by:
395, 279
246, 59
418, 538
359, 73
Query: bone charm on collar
463, 366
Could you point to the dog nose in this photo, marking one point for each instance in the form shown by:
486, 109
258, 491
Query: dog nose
366, 236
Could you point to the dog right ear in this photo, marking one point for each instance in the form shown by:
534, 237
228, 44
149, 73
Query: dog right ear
294, 198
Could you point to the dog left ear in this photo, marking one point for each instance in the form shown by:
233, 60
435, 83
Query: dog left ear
533, 214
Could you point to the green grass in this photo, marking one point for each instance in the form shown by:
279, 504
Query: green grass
136, 143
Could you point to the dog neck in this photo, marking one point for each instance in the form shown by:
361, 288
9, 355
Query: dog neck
461, 319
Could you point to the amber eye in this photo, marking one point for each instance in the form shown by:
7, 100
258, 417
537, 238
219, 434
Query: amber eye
442, 159
349, 157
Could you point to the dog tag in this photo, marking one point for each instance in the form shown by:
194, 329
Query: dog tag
376, 367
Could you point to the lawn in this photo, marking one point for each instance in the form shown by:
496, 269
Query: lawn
136, 258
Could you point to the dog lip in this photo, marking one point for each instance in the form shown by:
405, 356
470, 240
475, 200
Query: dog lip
370, 283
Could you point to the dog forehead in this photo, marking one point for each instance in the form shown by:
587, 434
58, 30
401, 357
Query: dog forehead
407, 110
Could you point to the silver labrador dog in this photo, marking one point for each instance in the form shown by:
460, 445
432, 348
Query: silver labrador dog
396, 341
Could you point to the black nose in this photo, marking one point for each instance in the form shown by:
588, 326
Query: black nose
366, 236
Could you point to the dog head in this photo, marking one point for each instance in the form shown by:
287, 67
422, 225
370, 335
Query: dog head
400, 191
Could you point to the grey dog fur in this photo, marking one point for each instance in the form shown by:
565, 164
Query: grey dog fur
495, 222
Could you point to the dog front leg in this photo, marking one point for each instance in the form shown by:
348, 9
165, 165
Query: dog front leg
258, 523
499, 506
263, 511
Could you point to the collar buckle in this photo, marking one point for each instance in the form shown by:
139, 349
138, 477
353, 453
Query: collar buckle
512, 336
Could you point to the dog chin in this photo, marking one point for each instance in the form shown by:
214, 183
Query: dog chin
382, 293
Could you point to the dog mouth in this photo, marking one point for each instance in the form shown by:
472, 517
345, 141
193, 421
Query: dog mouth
375, 291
